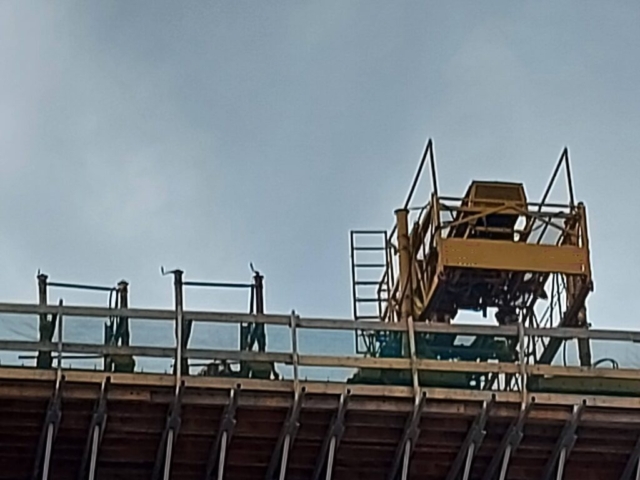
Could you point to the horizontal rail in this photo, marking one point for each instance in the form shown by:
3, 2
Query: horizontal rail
317, 323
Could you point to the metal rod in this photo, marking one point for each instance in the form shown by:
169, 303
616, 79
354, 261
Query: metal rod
405, 460
94, 452
505, 463
192, 283
416, 178
285, 457
638, 470
332, 453
467, 466
223, 454
47, 452
569, 178
561, 461
177, 285
60, 333
167, 455
434, 176
80, 286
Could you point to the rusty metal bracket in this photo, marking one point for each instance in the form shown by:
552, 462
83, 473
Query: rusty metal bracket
169, 435
563, 446
218, 452
408, 440
96, 432
286, 438
510, 443
48, 434
471, 444
332, 440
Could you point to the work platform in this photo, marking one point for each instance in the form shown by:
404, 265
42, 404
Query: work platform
70, 423
374, 424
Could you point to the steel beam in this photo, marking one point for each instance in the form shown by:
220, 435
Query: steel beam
633, 464
96, 431
286, 438
470, 446
331, 441
168, 438
563, 446
408, 441
48, 435
510, 443
218, 454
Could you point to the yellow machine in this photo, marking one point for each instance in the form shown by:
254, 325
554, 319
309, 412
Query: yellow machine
489, 251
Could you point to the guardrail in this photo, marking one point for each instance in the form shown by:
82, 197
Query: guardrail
294, 358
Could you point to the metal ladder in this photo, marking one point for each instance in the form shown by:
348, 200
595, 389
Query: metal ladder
369, 262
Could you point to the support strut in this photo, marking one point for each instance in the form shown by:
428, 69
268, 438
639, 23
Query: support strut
508, 446
471, 444
48, 435
332, 440
633, 464
217, 456
563, 446
285, 439
408, 441
169, 436
96, 432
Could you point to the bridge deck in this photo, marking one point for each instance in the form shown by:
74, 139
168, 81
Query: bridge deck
138, 404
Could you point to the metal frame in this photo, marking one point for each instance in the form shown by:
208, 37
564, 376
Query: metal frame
633, 464
218, 454
326, 456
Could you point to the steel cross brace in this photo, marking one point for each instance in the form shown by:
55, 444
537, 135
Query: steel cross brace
510, 443
48, 435
286, 439
408, 440
218, 452
332, 440
471, 443
563, 446
169, 435
96, 432
632, 464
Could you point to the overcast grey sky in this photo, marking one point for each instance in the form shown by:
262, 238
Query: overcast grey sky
205, 135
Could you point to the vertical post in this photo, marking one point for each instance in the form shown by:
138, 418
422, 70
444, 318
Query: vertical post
522, 362
259, 328
44, 325
294, 348
404, 252
60, 330
123, 322
179, 306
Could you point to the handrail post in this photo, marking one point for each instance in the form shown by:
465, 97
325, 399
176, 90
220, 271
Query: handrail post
179, 307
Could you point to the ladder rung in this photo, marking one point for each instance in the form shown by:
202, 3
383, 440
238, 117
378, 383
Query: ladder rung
368, 317
369, 249
368, 232
370, 265
366, 300
367, 282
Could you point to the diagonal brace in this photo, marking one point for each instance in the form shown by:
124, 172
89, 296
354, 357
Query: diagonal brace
218, 453
48, 435
409, 437
564, 445
471, 443
169, 435
632, 464
286, 438
96, 432
510, 443
332, 439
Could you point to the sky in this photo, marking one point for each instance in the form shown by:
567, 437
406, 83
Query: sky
207, 135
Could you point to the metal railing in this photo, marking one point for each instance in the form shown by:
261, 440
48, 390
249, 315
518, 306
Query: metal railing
519, 368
